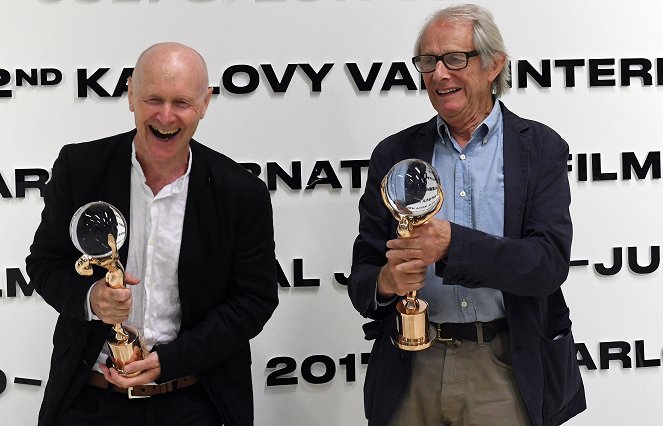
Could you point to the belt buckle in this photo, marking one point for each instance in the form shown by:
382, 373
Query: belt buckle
439, 337
130, 394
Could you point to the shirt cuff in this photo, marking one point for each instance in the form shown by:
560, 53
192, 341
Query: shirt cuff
89, 315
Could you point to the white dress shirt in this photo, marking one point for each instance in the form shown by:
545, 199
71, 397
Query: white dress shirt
154, 247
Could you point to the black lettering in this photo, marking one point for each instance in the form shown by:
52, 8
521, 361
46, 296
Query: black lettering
643, 66
582, 167
616, 266
630, 163
298, 272
328, 373
5, 79
569, 66
275, 378
250, 86
293, 182
317, 178
280, 277
355, 167
276, 85
640, 360
3, 382
23, 183
32, 79
597, 174
595, 72
121, 87
583, 357
341, 278
4, 189
659, 71
15, 278
622, 348
525, 69
392, 79
316, 77
50, 76
350, 367
361, 84
84, 83
655, 256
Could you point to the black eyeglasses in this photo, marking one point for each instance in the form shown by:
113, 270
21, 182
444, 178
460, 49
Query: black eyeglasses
451, 60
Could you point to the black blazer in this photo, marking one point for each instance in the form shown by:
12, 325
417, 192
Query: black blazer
227, 272
529, 265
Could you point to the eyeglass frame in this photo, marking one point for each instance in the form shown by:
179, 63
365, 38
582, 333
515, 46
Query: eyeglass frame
440, 58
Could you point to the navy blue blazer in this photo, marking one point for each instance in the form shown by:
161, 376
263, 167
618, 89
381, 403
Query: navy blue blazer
226, 277
529, 265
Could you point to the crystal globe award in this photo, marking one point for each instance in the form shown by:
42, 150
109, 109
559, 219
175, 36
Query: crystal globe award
98, 230
412, 193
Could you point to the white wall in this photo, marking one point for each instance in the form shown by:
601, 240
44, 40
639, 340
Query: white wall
339, 123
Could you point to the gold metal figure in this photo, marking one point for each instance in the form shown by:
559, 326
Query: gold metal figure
123, 342
412, 331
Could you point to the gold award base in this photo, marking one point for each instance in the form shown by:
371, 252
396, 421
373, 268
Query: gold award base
412, 332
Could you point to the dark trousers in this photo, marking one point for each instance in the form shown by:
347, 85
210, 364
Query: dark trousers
188, 406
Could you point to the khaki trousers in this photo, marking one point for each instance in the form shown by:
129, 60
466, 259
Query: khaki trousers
461, 384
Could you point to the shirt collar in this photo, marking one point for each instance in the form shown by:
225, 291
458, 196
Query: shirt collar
484, 131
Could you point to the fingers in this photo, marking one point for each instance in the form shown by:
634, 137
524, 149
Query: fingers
111, 305
398, 277
149, 367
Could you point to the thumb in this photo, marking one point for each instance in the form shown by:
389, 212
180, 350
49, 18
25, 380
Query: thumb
130, 279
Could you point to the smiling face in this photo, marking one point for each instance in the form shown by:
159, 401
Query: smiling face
168, 94
459, 96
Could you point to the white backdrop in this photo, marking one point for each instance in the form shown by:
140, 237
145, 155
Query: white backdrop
315, 328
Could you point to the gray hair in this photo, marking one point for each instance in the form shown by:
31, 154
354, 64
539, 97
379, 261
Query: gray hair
486, 36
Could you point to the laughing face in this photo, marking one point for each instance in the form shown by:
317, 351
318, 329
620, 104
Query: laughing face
168, 95
459, 96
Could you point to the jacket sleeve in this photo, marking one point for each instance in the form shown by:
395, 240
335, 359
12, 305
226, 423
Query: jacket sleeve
376, 227
533, 261
50, 264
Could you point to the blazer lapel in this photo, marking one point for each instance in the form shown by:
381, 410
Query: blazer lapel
517, 145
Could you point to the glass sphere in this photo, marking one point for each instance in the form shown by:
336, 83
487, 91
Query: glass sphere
90, 226
412, 188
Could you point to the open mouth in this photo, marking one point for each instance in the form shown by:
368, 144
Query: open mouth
162, 134
447, 91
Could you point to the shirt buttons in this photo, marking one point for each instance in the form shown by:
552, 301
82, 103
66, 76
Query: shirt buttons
462, 193
463, 304
462, 156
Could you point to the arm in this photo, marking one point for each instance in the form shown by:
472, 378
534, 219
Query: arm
50, 263
535, 262
376, 227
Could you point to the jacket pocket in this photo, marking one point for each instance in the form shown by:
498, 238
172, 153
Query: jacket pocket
561, 374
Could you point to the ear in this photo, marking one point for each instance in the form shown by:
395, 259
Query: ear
130, 93
496, 67
208, 97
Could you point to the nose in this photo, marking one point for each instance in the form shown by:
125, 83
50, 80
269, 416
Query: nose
441, 72
166, 113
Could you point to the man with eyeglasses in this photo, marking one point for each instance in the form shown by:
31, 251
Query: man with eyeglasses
490, 264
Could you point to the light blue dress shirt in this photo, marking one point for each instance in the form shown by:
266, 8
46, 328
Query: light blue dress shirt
472, 180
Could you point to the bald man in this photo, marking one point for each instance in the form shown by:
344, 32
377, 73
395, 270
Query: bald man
200, 264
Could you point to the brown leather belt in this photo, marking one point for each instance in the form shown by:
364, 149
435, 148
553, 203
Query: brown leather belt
143, 391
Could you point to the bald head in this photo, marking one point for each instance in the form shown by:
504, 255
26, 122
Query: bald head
170, 60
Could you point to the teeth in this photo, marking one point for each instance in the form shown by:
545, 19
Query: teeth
444, 92
166, 132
